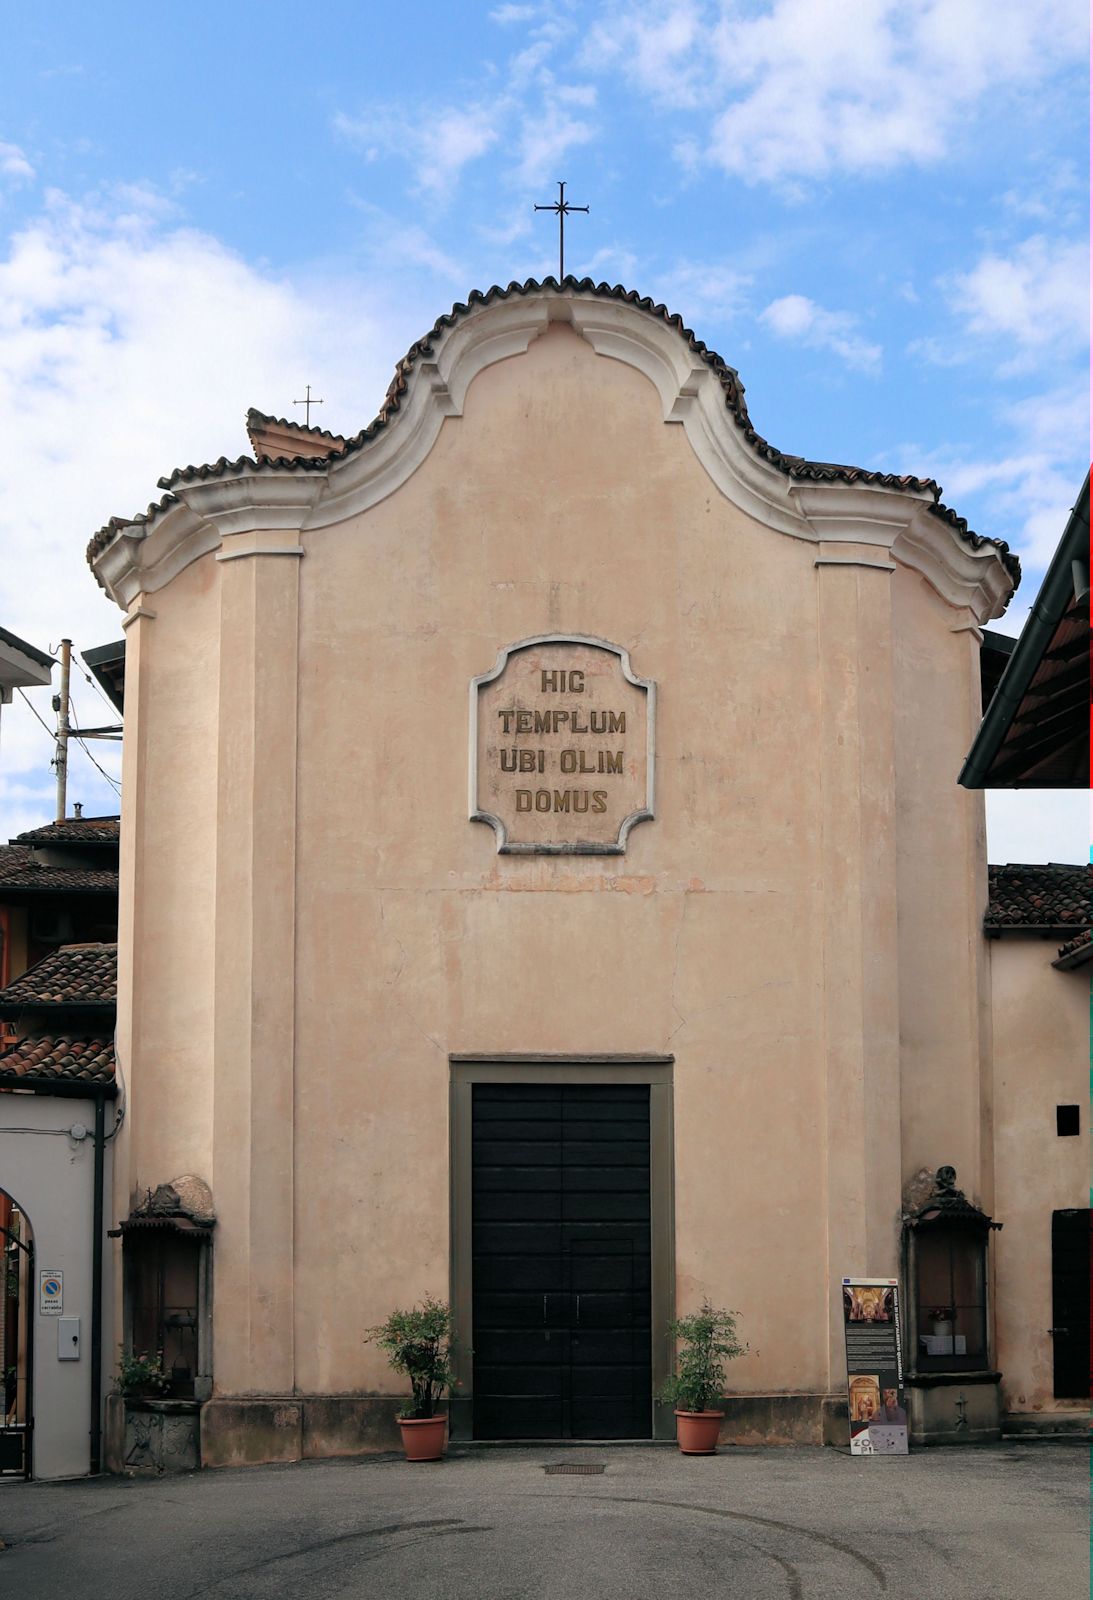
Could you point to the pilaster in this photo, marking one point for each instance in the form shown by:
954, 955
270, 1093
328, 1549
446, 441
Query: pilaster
254, 983
860, 953
138, 626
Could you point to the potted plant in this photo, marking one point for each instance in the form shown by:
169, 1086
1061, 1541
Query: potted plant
141, 1377
942, 1318
419, 1343
706, 1340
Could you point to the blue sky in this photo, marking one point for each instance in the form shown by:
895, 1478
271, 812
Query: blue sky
877, 212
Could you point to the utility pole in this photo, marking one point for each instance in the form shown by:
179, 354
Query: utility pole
60, 705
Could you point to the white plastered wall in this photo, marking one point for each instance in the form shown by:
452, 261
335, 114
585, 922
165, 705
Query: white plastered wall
50, 1176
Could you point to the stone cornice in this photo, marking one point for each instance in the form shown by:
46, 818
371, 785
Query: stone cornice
247, 497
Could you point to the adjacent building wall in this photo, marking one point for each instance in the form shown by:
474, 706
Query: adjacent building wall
50, 1176
1041, 1060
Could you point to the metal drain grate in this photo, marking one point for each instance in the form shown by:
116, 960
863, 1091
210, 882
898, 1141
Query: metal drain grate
574, 1469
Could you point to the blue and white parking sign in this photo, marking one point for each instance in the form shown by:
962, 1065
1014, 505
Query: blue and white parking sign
51, 1293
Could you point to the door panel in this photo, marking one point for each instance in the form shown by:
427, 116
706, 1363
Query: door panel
561, 1307
1070, 1302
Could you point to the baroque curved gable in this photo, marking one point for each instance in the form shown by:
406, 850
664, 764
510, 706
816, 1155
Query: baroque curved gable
323, 479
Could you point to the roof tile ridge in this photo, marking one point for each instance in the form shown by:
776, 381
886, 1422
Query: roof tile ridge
793, 466
256, 418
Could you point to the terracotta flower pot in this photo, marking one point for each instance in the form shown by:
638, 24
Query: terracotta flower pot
423, 1437
697, 1431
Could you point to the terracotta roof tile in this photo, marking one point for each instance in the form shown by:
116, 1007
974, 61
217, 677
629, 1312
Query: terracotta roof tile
275, 437
74, 830
793, 466
1076, 952
1048, 896
55, 1056
106, 534
24, 872
76, 974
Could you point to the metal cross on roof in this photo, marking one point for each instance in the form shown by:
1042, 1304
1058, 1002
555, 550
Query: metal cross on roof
307, 402
563, 209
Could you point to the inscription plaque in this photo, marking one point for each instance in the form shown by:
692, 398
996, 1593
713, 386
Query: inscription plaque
562, 747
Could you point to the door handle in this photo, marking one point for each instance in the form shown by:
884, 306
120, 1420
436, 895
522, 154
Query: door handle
578, 1311
544, 1308
1054, 1331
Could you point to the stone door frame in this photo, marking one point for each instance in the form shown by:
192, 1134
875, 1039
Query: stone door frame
654, 1070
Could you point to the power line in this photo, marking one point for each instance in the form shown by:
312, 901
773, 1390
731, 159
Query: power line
45, 725
113, 782
105, 700
76, 733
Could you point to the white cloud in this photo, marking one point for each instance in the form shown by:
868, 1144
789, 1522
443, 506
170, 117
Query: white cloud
531, 111
796, 317
1036, 295
506, 15
660, 47
130, 344
454, 139
439, 146
702, 292
545, 138
1021, 492
13, 163
1033, 825
792, 89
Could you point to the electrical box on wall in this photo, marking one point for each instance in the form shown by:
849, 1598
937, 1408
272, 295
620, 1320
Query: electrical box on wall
68, 1338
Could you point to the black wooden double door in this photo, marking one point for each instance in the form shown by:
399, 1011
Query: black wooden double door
1071, 1252
561, 1270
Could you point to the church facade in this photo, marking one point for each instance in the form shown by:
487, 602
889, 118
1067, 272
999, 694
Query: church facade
544, 885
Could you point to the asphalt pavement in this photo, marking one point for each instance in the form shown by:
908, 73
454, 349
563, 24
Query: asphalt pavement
1004, 1523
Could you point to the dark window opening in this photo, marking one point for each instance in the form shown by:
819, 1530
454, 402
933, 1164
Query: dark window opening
163, 1274
951, 1300
1068, 1121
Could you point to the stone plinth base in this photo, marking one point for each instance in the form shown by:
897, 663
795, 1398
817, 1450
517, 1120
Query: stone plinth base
150, 1437
1046, 1424
166, 1436
955, 1408
239, 1433
784, 1419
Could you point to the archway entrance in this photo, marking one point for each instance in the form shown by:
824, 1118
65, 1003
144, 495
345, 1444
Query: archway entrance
16, 1340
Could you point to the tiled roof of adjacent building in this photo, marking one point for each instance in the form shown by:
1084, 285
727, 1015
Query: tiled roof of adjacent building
53, 1056
793, 466
74, 830
1054, 895
20, 871
75, 974
1075, 952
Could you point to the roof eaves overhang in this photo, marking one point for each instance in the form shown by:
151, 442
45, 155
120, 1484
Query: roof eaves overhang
1065, 590
63, 1088
22, 665
106, 663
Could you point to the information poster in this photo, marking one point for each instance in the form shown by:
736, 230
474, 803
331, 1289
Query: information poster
874, 1367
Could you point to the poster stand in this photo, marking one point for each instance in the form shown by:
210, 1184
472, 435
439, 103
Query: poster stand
874, 1367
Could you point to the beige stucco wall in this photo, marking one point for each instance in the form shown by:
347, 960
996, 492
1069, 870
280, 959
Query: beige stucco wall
314, 925
1041, 1060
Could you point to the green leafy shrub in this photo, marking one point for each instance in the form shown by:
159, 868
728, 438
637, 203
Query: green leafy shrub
419, 1343
706, 1340
142, 1374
